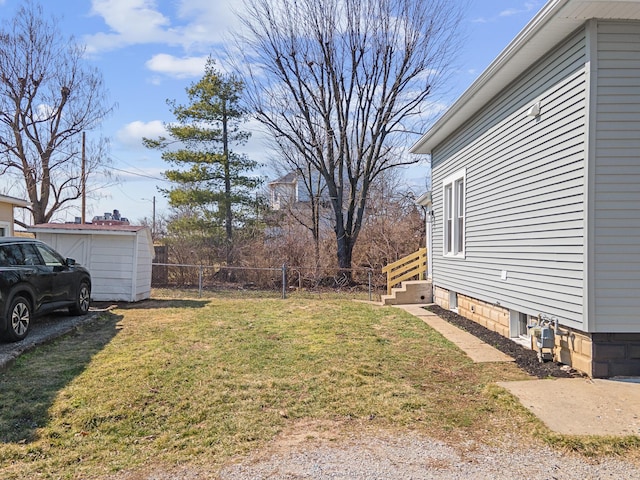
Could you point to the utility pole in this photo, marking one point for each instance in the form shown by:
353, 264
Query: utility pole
83, 182
153, 219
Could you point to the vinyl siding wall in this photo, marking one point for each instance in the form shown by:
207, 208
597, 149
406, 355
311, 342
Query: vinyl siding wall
113, 266
144, 262
524, 193
616, 196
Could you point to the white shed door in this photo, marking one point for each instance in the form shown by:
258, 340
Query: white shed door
77, 247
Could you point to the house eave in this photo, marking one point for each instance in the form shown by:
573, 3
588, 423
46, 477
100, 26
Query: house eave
16, 202
424, 200
556, 20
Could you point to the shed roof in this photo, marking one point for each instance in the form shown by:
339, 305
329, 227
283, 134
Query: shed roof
556, 20
87, 228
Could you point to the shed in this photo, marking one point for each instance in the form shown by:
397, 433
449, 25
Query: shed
119, 257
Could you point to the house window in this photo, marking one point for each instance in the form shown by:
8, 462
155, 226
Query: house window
448, 219
454, 214
453, 301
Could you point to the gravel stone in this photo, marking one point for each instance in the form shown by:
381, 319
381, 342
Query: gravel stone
44, 330
420, 458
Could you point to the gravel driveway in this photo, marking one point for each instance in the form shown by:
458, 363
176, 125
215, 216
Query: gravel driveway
43, 329
402, 457
414, 457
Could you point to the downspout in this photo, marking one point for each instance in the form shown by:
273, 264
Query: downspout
429, 219
424, 201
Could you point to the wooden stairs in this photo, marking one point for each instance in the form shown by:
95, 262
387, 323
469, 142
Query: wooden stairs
406, 280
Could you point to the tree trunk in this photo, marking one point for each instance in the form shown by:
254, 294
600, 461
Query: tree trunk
227, 185
345, 252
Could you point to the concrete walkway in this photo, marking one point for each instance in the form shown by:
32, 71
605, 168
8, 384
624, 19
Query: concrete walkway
475, 348
568, 406
582, 406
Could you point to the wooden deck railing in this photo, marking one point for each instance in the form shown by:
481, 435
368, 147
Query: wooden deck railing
413, 265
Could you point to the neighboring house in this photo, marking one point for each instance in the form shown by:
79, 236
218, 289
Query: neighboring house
290, 190
283, 191
6, 214
119, 257
536, 187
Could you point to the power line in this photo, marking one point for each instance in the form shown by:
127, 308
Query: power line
128, 164
119, 169
139, 174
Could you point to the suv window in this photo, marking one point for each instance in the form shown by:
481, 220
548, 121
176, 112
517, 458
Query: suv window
19, 254
13, 254
50, 257
31, 256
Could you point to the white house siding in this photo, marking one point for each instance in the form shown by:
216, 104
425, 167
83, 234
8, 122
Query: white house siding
113, 257
524, 192
616, 199
144, 261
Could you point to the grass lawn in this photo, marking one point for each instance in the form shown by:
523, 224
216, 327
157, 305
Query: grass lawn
198, 381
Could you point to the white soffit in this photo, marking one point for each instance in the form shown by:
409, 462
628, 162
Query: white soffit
556, 20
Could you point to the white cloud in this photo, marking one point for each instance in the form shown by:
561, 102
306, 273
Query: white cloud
177, 67
509, 12
43, 112
208, 22
195, 25
130, 136
130, 22
526, 8
257, 148
434, 109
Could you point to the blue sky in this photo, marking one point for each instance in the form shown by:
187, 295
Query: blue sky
149, 51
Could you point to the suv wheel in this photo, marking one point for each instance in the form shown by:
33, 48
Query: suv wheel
83, 298
19, 319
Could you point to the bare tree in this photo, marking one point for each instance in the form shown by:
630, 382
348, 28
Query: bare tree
394, 225
341, 81
308, 207
48, 97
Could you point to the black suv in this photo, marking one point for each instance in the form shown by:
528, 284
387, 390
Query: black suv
35, 279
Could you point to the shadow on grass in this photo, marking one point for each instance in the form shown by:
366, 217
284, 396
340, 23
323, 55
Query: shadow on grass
29, 386
152, 304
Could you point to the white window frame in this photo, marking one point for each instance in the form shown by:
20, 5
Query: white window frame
454, 214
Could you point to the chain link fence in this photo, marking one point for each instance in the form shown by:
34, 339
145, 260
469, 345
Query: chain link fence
361, 283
